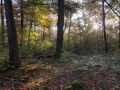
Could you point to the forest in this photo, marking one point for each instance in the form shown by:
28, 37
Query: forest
59, 44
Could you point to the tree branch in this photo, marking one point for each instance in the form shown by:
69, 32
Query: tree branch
112, 8
36, 3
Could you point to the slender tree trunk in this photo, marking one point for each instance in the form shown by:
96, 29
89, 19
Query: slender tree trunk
29, 34
2, 24
49, 32
12, 35
80, 35
104, 29
35, 34
65, 24
97, 42
60, 24
43, 35
84, 42
119, 34
22, 22
69, 33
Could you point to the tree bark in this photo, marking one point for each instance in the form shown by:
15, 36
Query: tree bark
22, 22
69, 32
12, 35
35, 32
43, 34
2, 24
65, 24
49, 28
29, 34
104, 29
119, 34
60, 24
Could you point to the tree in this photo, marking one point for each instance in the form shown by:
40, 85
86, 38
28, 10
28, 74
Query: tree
2, 24
104, 30
69, 31
119, 34
22, 21
70, 8
12, 35
29, 34
60, 24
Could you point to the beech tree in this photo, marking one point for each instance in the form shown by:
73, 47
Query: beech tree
12, 35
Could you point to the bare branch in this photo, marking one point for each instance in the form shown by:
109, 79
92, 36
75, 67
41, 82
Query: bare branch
112, 9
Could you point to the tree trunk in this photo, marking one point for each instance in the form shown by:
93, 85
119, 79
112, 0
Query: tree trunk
60, 24
35, 34
12, 35
29, 34
49, 28
22, 21
43, 35
65, 24
69, 33
119, 34
104, 29
2, 24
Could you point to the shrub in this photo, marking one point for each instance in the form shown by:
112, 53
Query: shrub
3, 64
75, 85
36, 51
24, 52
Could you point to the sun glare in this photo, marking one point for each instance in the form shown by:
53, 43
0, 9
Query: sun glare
95, 26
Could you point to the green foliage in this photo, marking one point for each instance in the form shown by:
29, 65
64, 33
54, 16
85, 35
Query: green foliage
114, 62
43, 48
91, 5
83, 68
4, 64
67, 87
45, 45
114, 1
64, 58
24, 52
117, 80
40, 65
75, 85
71, 7
36, 51
3, 59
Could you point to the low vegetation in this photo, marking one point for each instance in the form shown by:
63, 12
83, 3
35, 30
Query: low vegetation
70, 72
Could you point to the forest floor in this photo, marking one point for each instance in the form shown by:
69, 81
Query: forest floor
68, 74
